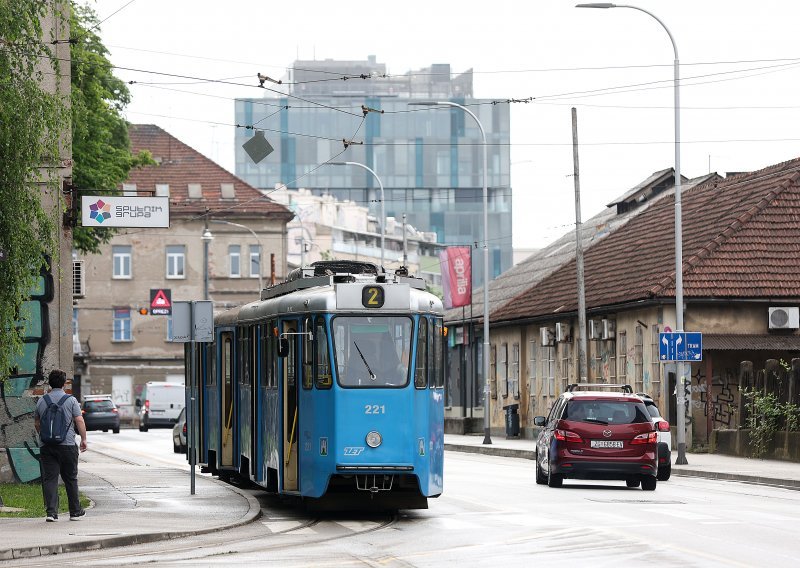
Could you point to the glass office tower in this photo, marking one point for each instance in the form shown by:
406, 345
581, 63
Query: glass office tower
429, 159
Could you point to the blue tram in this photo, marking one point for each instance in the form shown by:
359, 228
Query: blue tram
330, 388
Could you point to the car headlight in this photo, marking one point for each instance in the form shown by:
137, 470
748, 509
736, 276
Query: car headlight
374, 439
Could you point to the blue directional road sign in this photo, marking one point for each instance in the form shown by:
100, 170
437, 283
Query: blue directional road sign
680, 346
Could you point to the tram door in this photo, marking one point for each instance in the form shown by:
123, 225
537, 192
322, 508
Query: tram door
226, 367
291, 419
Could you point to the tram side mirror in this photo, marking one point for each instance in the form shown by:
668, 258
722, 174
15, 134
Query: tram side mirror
283, 346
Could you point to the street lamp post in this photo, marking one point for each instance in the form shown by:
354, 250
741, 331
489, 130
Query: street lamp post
260, 247
383, 201
487, 424
681, 396
207, 237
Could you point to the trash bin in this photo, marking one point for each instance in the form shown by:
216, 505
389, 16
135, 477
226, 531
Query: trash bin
512, 420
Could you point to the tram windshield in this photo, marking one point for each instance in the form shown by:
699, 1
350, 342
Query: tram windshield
372, 352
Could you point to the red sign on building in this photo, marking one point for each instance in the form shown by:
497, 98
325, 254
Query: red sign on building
160, 301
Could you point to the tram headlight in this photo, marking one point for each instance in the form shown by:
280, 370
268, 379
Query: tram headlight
374, 439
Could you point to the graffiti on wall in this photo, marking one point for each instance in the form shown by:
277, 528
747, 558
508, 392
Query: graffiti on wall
720, 402
19, 454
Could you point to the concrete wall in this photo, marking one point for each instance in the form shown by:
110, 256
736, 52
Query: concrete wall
48, 342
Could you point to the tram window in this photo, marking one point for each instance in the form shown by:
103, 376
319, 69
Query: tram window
244, 355
227, 364
272, 355
308, 353
421, 372
253, 344
211, 377
372, 351
438, 357
323, 366
263, 345
291, 366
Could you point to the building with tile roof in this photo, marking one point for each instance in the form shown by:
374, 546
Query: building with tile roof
741, 260
117, 348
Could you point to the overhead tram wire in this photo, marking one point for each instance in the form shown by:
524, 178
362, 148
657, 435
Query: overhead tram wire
542, 98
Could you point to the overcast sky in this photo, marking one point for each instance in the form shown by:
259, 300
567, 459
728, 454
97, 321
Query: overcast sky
740, 69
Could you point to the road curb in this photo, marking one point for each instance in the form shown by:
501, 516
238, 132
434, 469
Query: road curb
490, 450
723, 476
253, 513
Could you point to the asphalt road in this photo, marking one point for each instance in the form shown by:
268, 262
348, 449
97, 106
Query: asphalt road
491, 514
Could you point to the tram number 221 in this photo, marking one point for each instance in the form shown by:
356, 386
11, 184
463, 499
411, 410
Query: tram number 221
374, 409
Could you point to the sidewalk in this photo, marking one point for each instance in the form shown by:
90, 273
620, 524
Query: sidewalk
132, 504
711, 466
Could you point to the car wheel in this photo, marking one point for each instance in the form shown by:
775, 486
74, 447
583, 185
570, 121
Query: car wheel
105, 429
648, 483
143, 426
116, 430
664, 472
554, 479
541, 479
631, 482
176, 448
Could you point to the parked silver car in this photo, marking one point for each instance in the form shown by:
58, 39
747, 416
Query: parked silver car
664, 438
179, 434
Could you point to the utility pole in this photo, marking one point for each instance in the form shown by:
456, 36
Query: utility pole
405, 243
582, 363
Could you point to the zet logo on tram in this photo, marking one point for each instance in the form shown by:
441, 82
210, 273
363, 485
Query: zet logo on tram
353, 451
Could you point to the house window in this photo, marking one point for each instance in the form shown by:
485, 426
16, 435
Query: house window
195, 190
515, 370
493, 371
122, 324
533, 387
227, 191
176, 261
502, 373
549, 369
234, 261
638, 359
162, 190
655, 367
566, 365
622, 343
255, 261
121, 260
129, 190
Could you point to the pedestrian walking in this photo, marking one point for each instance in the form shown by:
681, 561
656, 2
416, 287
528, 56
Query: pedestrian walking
58, 416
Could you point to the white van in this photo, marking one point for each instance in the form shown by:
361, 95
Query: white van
160, 404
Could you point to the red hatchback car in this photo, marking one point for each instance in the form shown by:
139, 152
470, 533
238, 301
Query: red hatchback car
595, 434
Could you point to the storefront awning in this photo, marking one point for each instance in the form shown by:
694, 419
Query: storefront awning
724, 342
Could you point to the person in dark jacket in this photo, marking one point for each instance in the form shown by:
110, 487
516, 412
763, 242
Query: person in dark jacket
62, 458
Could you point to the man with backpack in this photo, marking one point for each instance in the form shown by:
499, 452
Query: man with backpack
58, 415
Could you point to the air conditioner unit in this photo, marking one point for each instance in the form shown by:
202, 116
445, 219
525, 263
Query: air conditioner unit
609, 328
545, 336
784, 318
78, 278
595, 329
562, 332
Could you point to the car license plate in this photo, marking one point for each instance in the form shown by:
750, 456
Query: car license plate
606, 443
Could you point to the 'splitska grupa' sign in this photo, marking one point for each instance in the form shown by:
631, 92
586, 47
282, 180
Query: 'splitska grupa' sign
113, 211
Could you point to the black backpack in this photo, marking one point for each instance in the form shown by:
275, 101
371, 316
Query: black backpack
55, 423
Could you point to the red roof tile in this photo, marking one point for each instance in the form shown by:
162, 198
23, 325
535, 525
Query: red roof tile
741, 239
181, 165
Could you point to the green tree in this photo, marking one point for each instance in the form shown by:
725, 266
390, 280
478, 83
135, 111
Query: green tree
32, 120
100, 145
